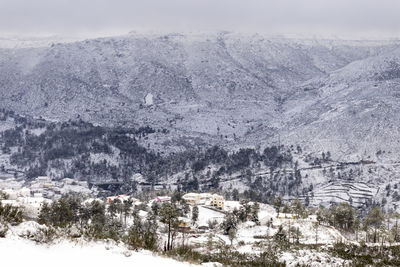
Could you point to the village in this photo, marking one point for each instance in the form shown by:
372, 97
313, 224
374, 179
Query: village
205, 221
43, 189
212, 209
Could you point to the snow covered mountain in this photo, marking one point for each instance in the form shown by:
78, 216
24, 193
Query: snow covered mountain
353, 110
231, 89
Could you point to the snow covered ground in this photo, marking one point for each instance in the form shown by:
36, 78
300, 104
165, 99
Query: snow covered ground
311, 258
16, 250
250, 239
20, 252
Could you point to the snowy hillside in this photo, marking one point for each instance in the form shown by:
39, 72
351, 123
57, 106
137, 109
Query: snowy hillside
195, 91
226, 88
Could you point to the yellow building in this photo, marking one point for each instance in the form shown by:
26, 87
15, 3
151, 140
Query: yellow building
217, 201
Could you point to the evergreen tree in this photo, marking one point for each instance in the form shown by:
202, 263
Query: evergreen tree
298, 208
150, 234
10, 214
135, 233
127, 205
254, 213
155, 207
195, 214
232, 234
169, 215
278, 203
229, 222
45, 214
375, 218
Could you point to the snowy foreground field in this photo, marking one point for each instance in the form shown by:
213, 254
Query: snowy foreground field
19, 248
18, 252
264, 242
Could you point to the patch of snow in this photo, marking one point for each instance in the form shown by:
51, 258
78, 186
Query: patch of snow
148, 100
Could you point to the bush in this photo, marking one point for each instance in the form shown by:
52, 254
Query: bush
10, 214
3, 229
44, 235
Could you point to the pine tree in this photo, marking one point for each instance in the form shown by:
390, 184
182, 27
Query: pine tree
229, 222
375, 218
127, 205
298, 208
195, 214
10, 214
135, 233
169, 215
278, 202
155, 207
254, 213
113, 208
150, 235
232, 234
45, 214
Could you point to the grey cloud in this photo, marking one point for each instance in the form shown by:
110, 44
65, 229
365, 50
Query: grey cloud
369, 17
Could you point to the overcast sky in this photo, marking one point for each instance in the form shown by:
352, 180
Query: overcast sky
369, 18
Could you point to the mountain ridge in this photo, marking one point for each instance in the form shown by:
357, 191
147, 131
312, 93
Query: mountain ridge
224, 88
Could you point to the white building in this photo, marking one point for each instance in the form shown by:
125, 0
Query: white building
68, 181
24, 192
10, 183
198, 198
192, 198
31, 206
41, 184
43, 179
11, 193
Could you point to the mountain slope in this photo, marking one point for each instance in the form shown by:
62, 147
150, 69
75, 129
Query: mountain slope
353, 110
223, 88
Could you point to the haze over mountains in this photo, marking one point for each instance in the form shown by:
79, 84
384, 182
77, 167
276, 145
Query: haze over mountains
230, 89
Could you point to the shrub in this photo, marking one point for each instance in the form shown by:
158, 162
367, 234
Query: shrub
3, 230
45, 235
10, 214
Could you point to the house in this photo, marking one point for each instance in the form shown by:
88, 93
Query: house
205, 198
24, 192
82, 183
15, 194
43, 179
217, 201
11, 202
163, 199
12, 194
41, 183
10, 183
197, 198
37, 195
192, 198
68, 181
184, 224
30, 206
122, 198
203, 228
